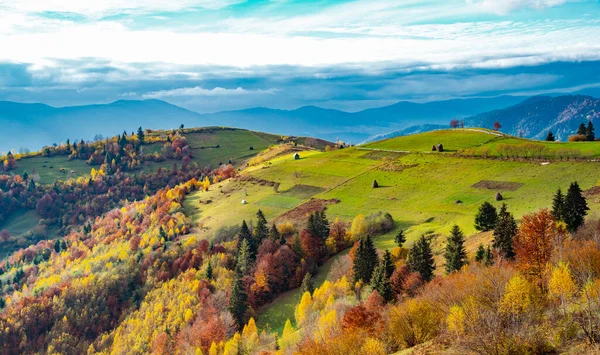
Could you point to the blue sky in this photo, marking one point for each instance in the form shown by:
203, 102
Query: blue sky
212, 55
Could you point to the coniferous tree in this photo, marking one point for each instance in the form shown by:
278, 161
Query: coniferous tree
388, 263
245, 234
455, 254
261, 230
57, 246
318, 225
485, 219
400, 239
238, 301
275, 236
558, 205
550, 137
480, 254
575, 208
243, 257
307, 284
365, 260
582, 130
589, 132
381, 283
209, 271
504, 233
163, 234
488, 257
420, 259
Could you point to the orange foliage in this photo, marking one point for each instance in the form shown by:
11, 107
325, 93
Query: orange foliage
533, 243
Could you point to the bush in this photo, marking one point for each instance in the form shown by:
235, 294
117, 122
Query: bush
415, 321
379, 223
286, 229
578, 138
226, 234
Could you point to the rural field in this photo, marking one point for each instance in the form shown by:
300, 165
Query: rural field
426, 193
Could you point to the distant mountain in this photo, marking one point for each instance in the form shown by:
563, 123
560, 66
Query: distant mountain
36, 125
535, 117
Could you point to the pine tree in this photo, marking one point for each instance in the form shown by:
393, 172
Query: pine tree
209, 271
480, 254
261, 230
57, 246
318, 225
575, 208
488, 257
558, 205
140, 136
365, 260
582, 130
485, 219
504, 233
381, 283
307, 284
455, 254
243, 257
550, 137
163, 234
589, 132
245, 234
420, 259
388, 263
275, 236
237, 301
400, 239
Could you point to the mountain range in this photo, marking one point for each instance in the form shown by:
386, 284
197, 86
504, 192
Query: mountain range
35, 125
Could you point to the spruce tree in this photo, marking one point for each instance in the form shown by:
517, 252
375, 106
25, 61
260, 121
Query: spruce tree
238, 300
275, 236
590, 132
381, 283
243, 257
261, 230
488, 257
420, 259
245, 234
318, 225
504, 233
307, 284
550, 137
209, 271
140, 136
455, 254
485, 219
575, 208
558, 205
388, 263
400, 239
480, 254
582, 130
365, 260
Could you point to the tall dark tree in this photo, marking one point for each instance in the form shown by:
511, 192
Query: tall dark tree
420, 259
209, 271
488, 257
318, 225
275, 236
455, 254
400, 239
365, 260
261, 230
558, 205
307, 284
238, 301
485, 220
243, 258
589, 132
245, 234
479, 255
550, 137
504, 233
140, 135
575, 208
582, 129
381, 282
388, 263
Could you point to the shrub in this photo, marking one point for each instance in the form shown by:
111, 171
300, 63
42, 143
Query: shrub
578, 138
379, 223
226, 234
414, 322
286, 229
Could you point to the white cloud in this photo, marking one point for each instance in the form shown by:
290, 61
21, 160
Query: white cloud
506, 6
200, 91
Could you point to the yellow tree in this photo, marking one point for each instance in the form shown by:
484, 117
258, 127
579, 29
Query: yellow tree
561, 285
303, 308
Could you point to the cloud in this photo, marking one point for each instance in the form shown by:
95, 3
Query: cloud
505, 6
200, 91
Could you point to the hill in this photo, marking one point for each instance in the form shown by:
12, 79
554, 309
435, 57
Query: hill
535, 117
35, 125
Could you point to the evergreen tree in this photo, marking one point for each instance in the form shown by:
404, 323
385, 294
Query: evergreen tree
550, 137
420, 259
388, 263
238, 300
275, 236
246, 235
480, 254
2, 303
575, 208
455, 254
307, 284
488, 258
400, 239
243, 258
318, 225
140, 136
57, 246
261, 230
590, 132
69, 144
504, 233
209, 271
582, 129
558, 205
365, 260
381, 283
163, 234
485, 219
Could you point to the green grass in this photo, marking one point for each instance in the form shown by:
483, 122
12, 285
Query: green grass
20, 222
49, 168
280, 201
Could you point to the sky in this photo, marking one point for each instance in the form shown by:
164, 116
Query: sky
216, 55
